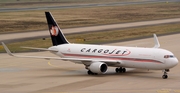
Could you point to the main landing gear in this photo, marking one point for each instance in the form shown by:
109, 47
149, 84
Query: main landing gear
120, 70
165, 76
91, 73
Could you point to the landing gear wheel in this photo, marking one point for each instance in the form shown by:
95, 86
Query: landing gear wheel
165, 76
124, 70
91, 73
119, 70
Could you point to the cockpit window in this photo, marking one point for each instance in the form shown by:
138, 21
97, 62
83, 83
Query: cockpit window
169, 56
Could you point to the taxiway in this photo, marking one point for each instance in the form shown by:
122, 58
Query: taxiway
88, 5
24, 75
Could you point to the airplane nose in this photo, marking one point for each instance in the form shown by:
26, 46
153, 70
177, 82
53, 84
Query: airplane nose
174, 62
171, 62
177, 61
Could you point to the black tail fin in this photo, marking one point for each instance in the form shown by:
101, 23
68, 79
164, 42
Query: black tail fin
57, 36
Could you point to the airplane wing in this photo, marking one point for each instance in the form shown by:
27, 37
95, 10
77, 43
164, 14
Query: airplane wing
43, 49
40, 57
82, 61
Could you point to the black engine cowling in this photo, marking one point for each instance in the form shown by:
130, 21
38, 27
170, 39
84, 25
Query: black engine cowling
98, 67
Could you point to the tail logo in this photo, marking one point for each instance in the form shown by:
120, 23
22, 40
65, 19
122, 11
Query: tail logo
54, 31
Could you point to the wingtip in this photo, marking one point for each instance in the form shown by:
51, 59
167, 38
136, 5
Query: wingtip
6, 48
157, 44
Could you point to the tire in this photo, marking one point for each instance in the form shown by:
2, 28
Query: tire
165, 76
124, 70
117, 70
89, 72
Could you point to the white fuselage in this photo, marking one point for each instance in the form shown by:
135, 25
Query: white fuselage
132, 57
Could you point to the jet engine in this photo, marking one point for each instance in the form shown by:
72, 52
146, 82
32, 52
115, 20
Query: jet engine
98, 67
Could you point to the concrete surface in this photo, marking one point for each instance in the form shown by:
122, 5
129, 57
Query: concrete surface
24, 75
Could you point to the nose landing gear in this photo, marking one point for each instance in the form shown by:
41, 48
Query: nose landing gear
165, 76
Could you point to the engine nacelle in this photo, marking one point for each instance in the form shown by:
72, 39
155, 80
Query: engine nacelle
98, 67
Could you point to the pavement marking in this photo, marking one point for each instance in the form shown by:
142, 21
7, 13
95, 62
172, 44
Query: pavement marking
163, 91
49, 63
110, 91
63, 92
168, 91
177, 91
1, 47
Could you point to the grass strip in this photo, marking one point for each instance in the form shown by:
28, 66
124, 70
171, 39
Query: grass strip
99, 37
35, 20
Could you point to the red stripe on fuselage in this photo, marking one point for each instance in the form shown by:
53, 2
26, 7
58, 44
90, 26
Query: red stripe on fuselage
113, 58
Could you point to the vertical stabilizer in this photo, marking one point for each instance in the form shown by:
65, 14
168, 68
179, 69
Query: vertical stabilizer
57, 36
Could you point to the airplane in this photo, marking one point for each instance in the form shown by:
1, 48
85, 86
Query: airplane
97, 58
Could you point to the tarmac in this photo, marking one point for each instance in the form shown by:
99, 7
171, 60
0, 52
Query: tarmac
25, 75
